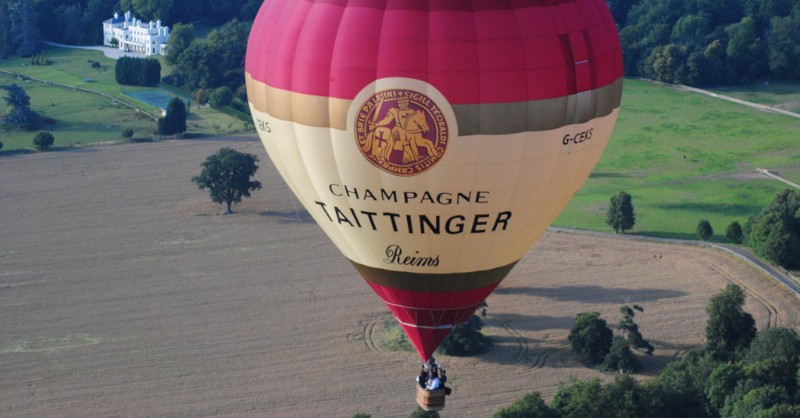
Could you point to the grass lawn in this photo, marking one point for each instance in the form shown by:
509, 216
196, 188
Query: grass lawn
82, 118
685, 157
88, 118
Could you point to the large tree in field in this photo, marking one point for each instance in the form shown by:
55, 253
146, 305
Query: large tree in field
620, 214
729, 328
226, 175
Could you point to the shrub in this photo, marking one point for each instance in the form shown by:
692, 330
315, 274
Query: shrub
220, 97
40, 59
43, 140
200, 96
127, 133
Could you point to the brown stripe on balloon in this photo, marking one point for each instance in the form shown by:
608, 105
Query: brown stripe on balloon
429, 282
472, 119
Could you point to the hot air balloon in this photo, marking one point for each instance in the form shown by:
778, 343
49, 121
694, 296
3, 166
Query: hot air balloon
434, 141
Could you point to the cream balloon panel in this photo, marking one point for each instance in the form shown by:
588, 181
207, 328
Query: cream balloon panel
530, 174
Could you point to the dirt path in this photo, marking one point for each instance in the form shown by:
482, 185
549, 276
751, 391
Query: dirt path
124, 292
757, 106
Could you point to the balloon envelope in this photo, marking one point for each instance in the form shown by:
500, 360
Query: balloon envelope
434, 141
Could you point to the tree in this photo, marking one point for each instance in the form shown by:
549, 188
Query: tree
219, 97
591, 337
466, 339
362, 415
127, 133
43, 140
16, 96
729, 328
620, 357
775, 232
784, 46
773, 357
720, 384
174, 123
704, 230
180, 38
5, 30
734, 233
620, 214
216, 61
529, 406
421, 413
23, 118
226, 175
149, 9
28, 36
630, 330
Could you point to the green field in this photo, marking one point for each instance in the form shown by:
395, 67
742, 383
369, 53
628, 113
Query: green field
684, 157
85, 118
82, 118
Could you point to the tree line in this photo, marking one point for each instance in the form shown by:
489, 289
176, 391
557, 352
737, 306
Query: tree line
739, 372
709, 42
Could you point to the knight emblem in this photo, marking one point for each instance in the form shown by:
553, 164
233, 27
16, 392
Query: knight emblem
401, 131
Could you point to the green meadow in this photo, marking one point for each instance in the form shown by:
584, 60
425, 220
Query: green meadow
684, 157
85, 118
81, 118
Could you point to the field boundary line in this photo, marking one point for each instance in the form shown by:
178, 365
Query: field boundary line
81, 89
784, 278
756, 106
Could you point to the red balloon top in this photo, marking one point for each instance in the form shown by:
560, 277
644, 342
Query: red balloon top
473, 51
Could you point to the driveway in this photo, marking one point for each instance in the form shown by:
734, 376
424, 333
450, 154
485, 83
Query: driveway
113, 53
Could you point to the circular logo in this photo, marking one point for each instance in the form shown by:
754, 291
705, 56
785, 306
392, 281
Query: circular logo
401, 131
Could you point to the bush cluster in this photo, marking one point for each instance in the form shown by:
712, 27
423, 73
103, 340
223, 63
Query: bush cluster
138, 71
40, 59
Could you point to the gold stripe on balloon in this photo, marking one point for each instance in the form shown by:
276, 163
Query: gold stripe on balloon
473, 119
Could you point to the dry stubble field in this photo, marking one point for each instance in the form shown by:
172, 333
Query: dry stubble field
124, 292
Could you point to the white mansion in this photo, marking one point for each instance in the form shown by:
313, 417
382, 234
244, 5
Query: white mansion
133, 35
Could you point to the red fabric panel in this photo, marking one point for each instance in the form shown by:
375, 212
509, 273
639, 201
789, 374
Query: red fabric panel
473, 52
425, 341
